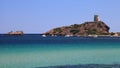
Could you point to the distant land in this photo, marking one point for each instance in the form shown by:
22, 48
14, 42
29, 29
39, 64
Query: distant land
16, 33
89, 28
96, 27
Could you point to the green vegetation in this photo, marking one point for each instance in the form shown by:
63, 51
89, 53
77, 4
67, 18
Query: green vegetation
74, 31
58, 30
94, 31
75, 26
104, 33
112, 33
99, 25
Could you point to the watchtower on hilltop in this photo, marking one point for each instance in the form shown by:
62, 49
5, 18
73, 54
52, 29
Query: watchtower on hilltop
96, 18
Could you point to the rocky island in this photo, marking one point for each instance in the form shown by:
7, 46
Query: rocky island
16, 33
95, 27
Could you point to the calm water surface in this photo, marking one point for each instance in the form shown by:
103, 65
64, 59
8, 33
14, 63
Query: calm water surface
31, 51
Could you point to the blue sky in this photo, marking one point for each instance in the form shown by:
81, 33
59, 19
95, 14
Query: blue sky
38, 16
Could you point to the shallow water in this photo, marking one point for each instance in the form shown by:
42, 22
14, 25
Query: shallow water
51, 51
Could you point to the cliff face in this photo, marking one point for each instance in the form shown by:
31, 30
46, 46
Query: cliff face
87, 28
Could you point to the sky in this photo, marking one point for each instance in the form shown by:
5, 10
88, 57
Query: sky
39, 16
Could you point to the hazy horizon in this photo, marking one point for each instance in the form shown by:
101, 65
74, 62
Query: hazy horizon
39, 16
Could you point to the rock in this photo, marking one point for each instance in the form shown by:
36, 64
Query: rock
95, 27
16, 33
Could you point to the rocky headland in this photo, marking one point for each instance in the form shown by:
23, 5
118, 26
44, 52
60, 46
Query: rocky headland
95, 27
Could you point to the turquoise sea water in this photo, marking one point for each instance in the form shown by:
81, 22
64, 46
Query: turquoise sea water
35, 51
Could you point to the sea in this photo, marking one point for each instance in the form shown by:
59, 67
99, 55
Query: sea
34, 50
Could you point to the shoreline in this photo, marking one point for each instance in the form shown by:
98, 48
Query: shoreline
85, 66
60, 35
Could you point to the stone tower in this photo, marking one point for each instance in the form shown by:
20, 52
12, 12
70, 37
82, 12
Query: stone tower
96, 18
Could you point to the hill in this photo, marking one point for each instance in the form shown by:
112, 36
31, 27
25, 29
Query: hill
95, 27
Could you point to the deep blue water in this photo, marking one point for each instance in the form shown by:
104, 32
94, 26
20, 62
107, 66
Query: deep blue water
29, 51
